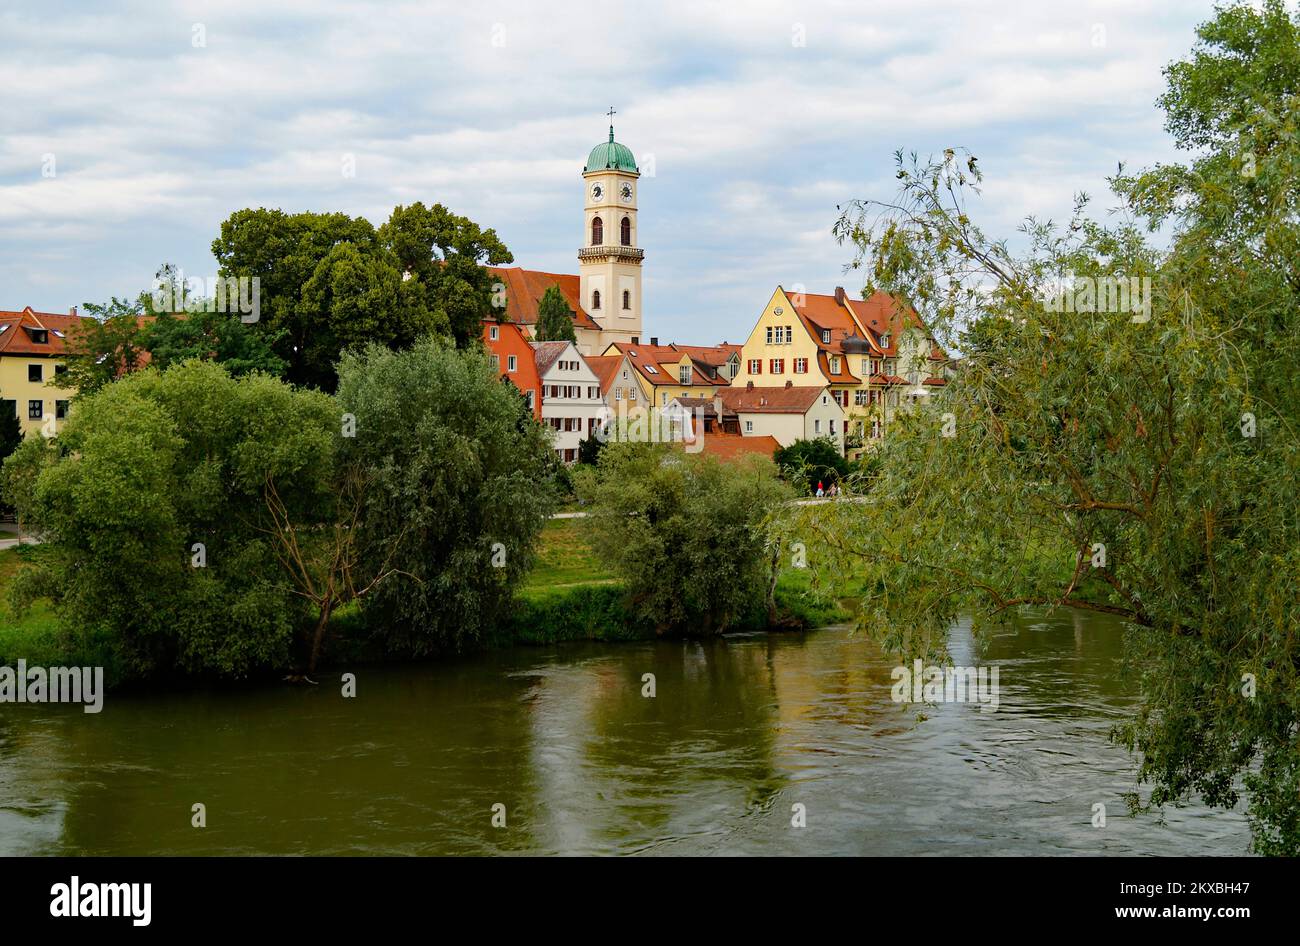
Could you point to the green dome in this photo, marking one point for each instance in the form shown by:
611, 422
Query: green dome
610, 155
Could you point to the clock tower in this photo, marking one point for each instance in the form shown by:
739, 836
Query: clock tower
609, 262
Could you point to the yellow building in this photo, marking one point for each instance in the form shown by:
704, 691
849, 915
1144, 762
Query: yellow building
661, 373
32, 350
872, 354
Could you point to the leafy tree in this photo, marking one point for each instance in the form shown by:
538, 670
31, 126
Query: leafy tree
446, 254
353, 299
105, 346
11, 435
686, 533
589, 449
1139, 462
211, 336
457, 493
806, 463
146, 468
284, 251
554, 317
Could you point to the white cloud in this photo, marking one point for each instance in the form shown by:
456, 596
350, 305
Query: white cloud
490, 110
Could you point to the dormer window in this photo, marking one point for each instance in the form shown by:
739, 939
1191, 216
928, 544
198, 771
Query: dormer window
39, 336
826, 336
684, 374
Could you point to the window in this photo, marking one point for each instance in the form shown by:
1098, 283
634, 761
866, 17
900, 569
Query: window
875, 366
35, 409
817, 426
832, 426
749, 426
496, 362
625, 232
512, 363
618, 394
60, 409
684, 374
755, 366
665, 400
624, 374
494, 333
801, 366
595, 299
826, 336
631, 394
40, 336
597, 231
627, 298
529, 398
35, 372
778, 366
769, 334
835, 365
860, 397
651, 369
866, 365
7, 406
60, 370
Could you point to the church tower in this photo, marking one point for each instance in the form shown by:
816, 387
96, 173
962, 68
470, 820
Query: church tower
609, 262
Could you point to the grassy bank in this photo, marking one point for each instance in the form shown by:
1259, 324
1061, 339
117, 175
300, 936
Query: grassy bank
571, 595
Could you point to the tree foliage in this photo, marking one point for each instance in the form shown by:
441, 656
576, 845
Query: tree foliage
457, 494
1145, 467
149, 473
687, 533
554, 317
805, 463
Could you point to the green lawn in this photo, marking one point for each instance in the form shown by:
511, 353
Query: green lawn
34, 635
564, 559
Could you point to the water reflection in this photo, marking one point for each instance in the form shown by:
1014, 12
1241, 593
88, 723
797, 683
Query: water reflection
738, 732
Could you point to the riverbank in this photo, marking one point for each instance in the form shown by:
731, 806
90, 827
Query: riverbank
568, 596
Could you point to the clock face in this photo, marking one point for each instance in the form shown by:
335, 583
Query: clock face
625, 192
597, 191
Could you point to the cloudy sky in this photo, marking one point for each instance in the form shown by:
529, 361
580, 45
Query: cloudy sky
130, 130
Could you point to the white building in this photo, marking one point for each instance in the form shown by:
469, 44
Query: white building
790, 413
572, 406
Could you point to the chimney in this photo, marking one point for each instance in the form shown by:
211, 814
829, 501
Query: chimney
749, 386
839, 295
654, 341
636, 339
789, 383
72, 311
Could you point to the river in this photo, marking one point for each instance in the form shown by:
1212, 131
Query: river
740, 731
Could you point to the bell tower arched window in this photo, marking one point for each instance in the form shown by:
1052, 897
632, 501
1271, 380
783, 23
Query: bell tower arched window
627, 299
625, 232
595, 299
597, 231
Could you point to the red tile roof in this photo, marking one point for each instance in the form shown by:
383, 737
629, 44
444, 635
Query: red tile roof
795, 399
664, 359
525, 288
729, 446
605, 367
16, 339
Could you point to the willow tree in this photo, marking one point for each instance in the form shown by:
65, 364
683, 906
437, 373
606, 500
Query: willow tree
1123, 434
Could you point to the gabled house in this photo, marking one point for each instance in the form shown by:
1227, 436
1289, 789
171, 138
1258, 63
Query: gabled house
874, 355
33, 348
788, 413
572, 406
665, 372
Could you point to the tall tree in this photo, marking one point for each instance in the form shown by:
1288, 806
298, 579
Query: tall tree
447, 254
449, 453
106, 345
554, 317
1131, 452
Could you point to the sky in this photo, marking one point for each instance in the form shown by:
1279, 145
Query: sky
130, 130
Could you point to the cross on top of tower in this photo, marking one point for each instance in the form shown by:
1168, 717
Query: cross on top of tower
611, 113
